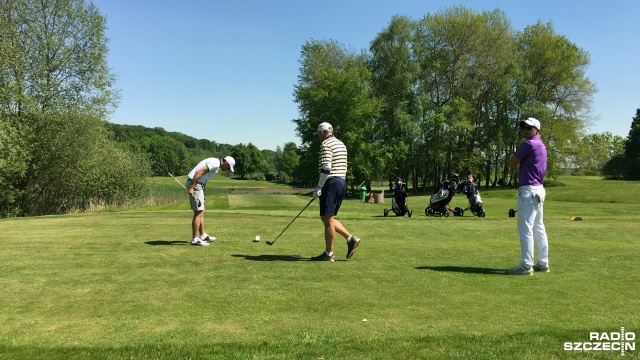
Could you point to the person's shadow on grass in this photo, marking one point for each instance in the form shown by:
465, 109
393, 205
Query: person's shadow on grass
167, 242
269, 257
463, 269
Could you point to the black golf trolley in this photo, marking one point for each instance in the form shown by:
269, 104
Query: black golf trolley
399, 202
440, 199
470, 188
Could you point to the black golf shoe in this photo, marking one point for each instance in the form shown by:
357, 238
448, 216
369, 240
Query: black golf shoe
323, 257
352, 246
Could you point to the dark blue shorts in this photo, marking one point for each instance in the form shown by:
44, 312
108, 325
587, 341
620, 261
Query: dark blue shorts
333, 191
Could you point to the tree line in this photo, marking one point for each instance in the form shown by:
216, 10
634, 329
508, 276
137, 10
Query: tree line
625, 164
429, 97
177, 153
445, 94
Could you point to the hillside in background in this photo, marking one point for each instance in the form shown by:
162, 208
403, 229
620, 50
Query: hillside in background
174, 151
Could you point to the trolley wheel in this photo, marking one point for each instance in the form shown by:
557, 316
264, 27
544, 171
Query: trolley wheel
410, 212
386, 212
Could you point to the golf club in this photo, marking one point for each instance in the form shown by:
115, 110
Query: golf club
294, 219
174, 178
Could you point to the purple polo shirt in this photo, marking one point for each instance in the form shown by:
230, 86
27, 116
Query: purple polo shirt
533, 161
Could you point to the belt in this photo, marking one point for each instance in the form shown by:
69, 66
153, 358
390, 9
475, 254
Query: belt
530, 186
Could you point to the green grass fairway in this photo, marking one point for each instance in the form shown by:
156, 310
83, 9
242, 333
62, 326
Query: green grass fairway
127, 285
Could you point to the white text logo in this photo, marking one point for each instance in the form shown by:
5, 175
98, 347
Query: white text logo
607, 341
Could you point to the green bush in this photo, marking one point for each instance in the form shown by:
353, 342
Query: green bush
13, 166
66, 163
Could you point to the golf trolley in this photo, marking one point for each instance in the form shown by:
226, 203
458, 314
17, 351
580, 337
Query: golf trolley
399, 202
470, 188
440, 199
439, 202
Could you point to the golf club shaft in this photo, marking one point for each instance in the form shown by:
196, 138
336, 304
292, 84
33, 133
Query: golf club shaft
174, 178
294, 219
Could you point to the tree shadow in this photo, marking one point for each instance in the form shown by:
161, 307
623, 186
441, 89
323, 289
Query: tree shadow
270, 257
167, 242
463, 269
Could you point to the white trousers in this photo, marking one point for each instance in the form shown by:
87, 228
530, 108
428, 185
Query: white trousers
530, 225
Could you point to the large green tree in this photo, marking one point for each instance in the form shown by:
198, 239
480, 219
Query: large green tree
56, 58
249, 161
625, 164
594, 151
394, 70
56, 90
632, 149
552, 86
334, 85
464, 82
287, 162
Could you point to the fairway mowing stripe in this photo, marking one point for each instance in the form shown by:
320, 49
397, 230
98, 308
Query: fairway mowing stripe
251, 200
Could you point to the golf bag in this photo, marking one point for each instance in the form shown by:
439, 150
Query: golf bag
470, 188
440, 199
399, 202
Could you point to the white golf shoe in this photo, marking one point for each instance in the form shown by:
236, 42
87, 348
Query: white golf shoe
208, 238
199, 242
541, 268
519, 270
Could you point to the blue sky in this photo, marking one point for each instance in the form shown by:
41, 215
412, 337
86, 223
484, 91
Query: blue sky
225, 70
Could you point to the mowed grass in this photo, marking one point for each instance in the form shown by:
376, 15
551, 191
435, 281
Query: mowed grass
127, 284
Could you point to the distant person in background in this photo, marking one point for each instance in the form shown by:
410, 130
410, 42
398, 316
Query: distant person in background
331, 189
532, 157
196, 184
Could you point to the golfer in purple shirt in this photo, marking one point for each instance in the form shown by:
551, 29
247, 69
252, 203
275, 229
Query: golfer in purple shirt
532, 157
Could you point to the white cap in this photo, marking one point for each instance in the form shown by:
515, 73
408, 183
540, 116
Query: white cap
325, 126
531, 122
231, 161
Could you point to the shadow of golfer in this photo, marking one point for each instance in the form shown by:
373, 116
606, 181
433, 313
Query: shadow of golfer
269, 257
166, 242
463, 269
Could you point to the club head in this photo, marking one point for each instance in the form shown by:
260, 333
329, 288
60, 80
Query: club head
269, 243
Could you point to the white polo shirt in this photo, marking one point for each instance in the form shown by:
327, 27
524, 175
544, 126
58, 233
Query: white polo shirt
212, 165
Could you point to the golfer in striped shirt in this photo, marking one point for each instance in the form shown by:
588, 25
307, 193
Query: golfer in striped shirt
331, 189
